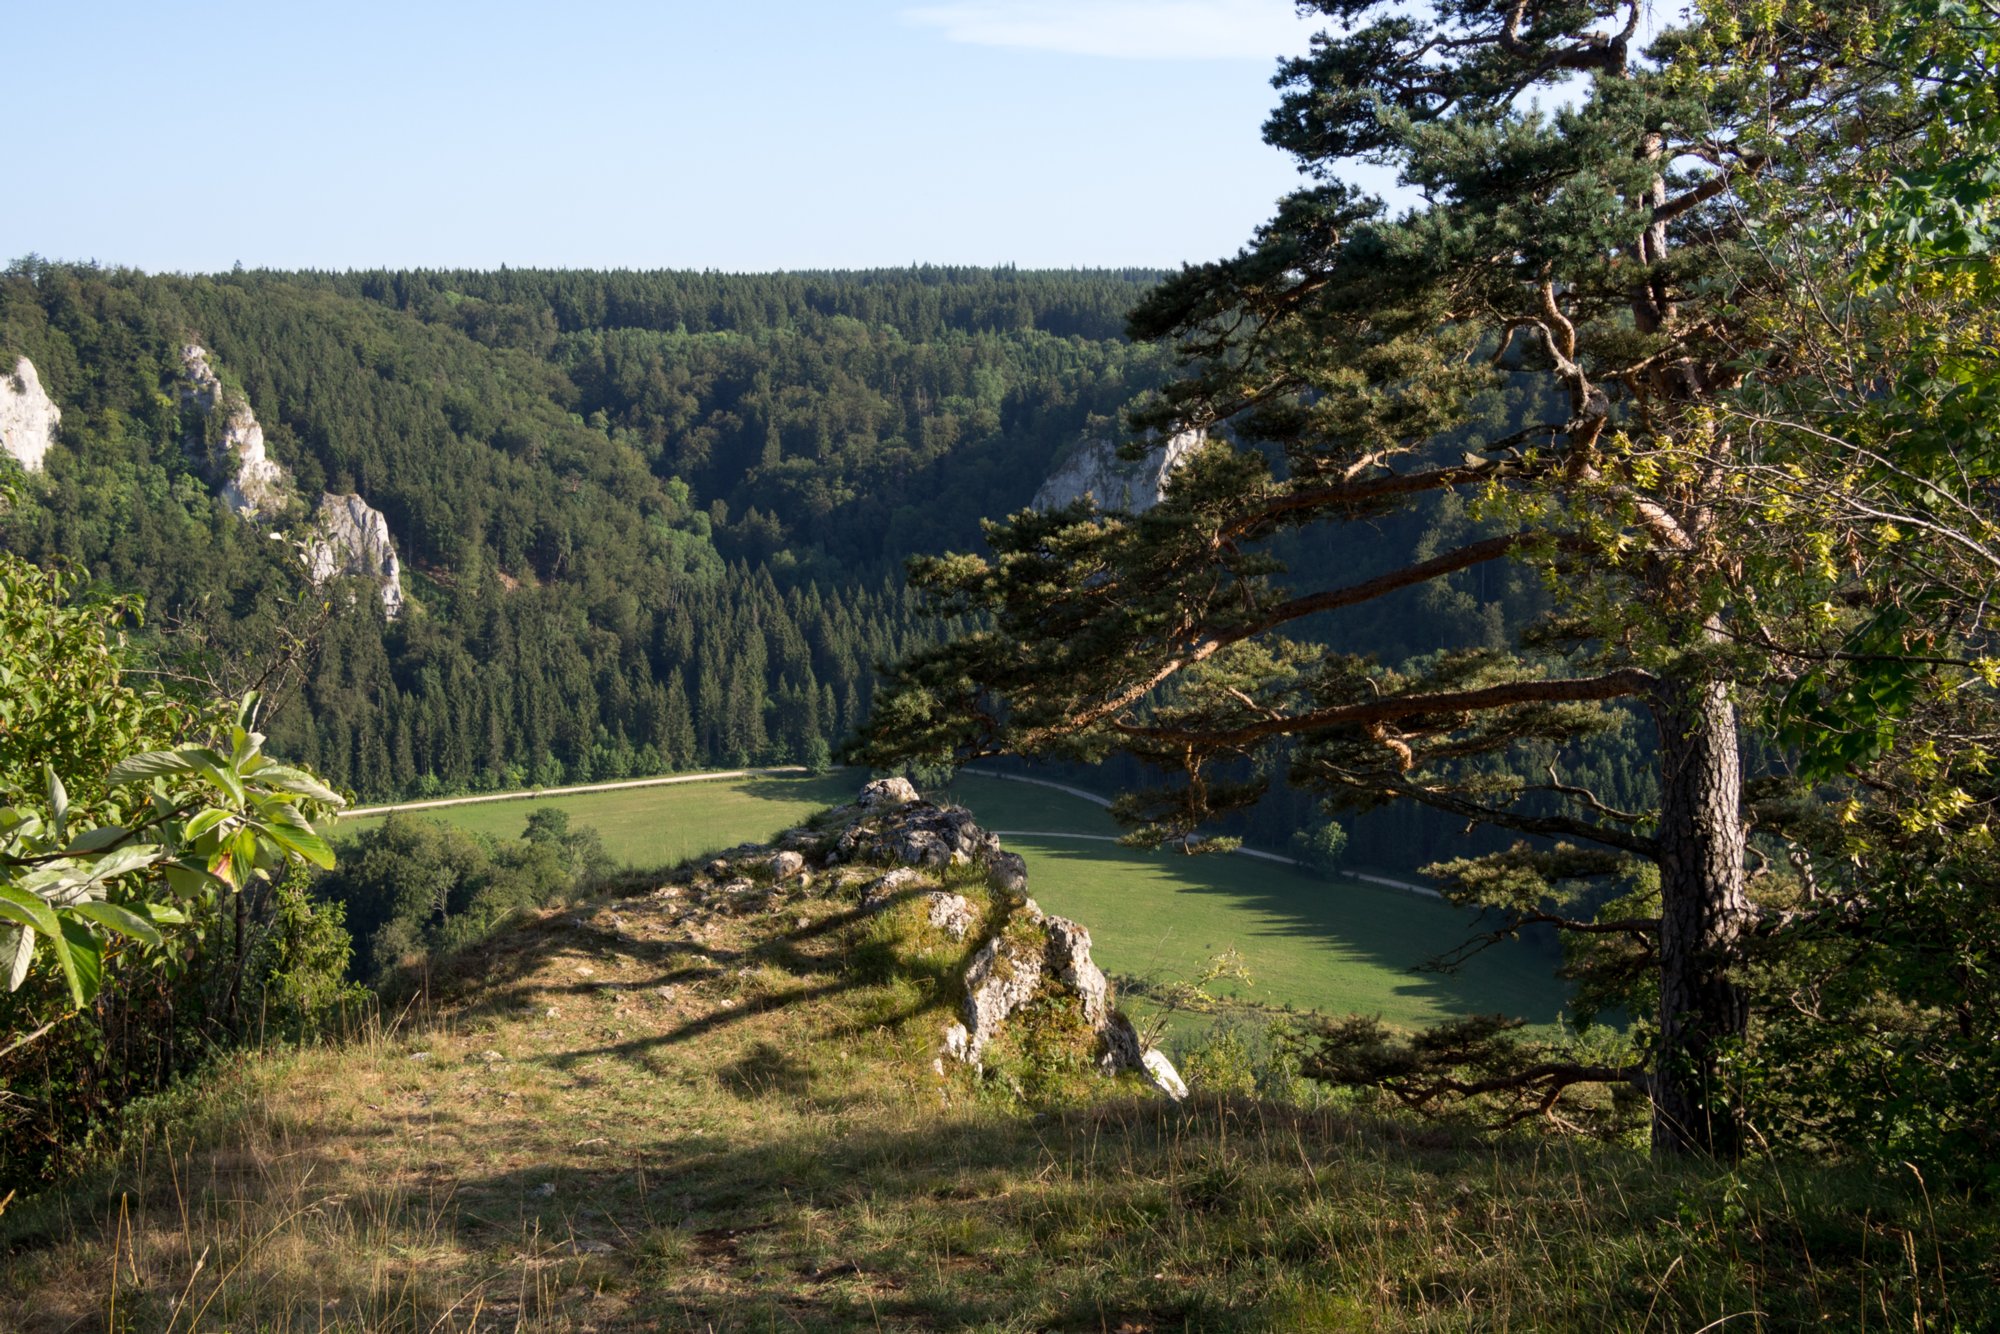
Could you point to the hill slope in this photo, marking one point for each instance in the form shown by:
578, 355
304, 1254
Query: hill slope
661, 1112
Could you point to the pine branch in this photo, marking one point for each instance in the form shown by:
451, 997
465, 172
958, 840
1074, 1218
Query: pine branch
1619, 684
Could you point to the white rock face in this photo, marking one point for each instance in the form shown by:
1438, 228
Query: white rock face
1095, 470
254, 483
352, 538
28, 416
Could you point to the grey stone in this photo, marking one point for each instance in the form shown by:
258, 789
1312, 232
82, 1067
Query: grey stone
253, 483
883, 892
999, 982
786, 865
351, 538
884, 792
1160, 1072
952, 914
1008, 873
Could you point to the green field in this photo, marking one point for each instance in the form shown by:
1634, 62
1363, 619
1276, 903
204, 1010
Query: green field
658, 826
1340, 946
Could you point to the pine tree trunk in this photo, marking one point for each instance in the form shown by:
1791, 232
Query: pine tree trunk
1703, 1008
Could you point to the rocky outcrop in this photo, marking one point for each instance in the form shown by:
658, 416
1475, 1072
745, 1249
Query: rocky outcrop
1096, 471
28, 416
1034, 954
1038, 950
351, 538
917, 833
253, 483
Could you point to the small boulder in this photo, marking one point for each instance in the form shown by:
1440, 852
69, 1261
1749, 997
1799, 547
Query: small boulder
1069, 958
786, 865
886, 792
1008, 873
884, 891
999, 982
1160, 1073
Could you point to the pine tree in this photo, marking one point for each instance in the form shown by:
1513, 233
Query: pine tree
1595, 264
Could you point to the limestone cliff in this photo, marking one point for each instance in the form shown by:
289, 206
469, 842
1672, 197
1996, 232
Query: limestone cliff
1095, 470
28, 416
253, 483
350, 537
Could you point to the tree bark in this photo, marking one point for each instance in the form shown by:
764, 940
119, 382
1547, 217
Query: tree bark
1703, 1007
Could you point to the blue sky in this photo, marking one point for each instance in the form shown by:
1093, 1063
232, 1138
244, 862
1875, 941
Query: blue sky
610, 133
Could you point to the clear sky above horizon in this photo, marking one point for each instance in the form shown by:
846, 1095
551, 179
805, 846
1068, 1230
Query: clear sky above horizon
615, 133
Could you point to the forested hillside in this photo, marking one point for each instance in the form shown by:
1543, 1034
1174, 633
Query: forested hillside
648, 521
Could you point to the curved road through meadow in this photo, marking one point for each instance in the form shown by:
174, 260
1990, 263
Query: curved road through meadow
544, 793
527, 794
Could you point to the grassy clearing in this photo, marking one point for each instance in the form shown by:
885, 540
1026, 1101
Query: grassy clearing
635, 1118
1342, 946
1337, 946
658, 826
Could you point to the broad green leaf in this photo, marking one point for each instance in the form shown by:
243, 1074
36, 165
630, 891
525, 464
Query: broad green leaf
285, 778
302, 841
279, 810
122, 920
82, 958
152, 764
96, 840
223, 776
58, 799
20, 906
204, 822
124, 862
20, 955
187, 882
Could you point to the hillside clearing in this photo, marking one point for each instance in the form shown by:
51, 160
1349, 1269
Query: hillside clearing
626, 1117
655, 826
1338, 946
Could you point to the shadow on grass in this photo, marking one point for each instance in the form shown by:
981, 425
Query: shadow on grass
1292, 921
1131, 1213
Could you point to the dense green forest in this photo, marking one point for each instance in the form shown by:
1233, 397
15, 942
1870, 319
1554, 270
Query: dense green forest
648, 521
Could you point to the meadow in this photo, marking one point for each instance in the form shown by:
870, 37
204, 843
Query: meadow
644, 827
653, 1113
1304, 941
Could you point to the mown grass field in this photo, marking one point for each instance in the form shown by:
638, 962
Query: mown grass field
1337, 946
657, 826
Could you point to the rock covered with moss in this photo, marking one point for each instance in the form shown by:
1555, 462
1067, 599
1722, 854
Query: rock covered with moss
1028, 957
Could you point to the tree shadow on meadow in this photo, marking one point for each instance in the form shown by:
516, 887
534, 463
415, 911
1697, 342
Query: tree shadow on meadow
1304, 921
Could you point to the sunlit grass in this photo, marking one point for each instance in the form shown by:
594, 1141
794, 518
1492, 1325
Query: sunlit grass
628, 1117
657, 826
